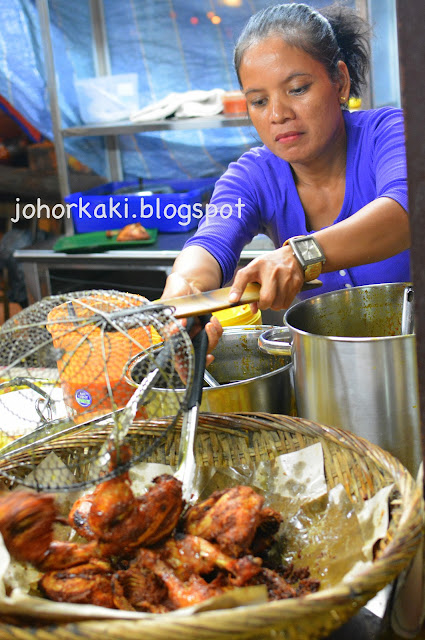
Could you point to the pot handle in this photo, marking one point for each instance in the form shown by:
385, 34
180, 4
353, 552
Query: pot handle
276, 342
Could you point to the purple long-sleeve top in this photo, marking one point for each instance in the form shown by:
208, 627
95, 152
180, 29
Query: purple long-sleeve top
257, 194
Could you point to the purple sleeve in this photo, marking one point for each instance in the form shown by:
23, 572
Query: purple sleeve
232, 217
390, 157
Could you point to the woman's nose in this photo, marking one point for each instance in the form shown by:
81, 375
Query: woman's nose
281, 111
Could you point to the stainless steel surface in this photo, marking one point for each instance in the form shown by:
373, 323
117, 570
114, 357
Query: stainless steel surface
250, 380
127, 127
408, 312
353, 368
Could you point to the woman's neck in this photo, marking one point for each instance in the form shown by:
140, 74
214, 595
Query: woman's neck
325, 169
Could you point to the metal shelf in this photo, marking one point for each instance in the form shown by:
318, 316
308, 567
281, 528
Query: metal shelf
127, 127
109, 130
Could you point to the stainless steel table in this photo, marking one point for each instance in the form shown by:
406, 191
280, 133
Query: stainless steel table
39, 260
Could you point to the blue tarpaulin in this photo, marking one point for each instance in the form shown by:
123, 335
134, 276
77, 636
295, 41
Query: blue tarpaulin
173, 46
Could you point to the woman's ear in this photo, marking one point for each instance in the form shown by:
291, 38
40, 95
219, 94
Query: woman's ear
344, 82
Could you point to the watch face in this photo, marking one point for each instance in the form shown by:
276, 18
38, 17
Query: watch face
309, 251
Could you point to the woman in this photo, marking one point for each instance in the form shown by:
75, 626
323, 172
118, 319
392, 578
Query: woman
336, 178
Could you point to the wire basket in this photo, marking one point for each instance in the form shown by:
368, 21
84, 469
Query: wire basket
65, 359
238, 439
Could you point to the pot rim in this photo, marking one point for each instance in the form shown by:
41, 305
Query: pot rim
260, 328
357, 339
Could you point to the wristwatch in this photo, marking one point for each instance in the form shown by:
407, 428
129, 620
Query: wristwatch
309, 254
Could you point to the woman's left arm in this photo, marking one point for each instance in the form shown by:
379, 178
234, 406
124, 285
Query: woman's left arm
377, 231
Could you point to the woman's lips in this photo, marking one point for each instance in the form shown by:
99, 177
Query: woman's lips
287, 137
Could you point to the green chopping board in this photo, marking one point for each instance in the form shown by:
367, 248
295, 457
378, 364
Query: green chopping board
98, 241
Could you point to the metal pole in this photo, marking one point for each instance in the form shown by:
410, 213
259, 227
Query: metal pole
44, 17
411, 43
103, 67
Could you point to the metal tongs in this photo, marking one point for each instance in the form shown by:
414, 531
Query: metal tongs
186, 465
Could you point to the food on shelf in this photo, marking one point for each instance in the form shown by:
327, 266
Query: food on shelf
134, 231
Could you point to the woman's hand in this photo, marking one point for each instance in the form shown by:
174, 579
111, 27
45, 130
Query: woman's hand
176, 286
279, 274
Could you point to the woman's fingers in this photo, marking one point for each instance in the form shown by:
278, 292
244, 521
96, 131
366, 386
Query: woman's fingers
214, 332
279, 275
177, 286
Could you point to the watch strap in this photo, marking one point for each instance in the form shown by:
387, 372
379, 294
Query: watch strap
311, 271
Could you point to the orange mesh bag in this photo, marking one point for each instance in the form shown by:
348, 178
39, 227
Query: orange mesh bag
94, 357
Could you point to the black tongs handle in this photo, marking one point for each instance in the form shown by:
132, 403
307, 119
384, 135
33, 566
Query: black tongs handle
200, 344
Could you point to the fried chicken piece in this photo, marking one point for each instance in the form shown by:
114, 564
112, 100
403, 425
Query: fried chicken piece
277, 587
86, 584
134, 231
187, 554
230, 518
26, 524
270, 521
78, 516
121, 521
139, 589
180, 593
63, 555
306, 586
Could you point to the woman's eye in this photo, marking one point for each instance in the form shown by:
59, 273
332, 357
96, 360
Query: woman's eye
297, 91
259, 102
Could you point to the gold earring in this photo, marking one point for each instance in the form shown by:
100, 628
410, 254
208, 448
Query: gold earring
343, 99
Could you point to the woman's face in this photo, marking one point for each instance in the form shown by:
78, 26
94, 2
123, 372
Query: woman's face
292, 102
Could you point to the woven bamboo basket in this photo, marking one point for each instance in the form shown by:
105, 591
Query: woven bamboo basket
240, 438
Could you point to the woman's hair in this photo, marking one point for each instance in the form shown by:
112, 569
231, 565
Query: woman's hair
334, 33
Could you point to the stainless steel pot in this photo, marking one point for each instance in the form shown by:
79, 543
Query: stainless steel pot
353, 368
250, 380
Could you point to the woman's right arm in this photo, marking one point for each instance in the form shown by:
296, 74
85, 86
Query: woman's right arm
194, 270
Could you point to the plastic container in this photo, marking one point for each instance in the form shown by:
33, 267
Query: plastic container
107, 98
237, 316
234, 103
101, 208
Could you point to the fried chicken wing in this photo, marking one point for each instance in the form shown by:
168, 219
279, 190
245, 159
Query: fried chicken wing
180, 593
230, 518
85, 584
188, 554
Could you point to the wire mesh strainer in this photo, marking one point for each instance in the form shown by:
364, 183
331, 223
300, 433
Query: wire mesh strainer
63, 368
